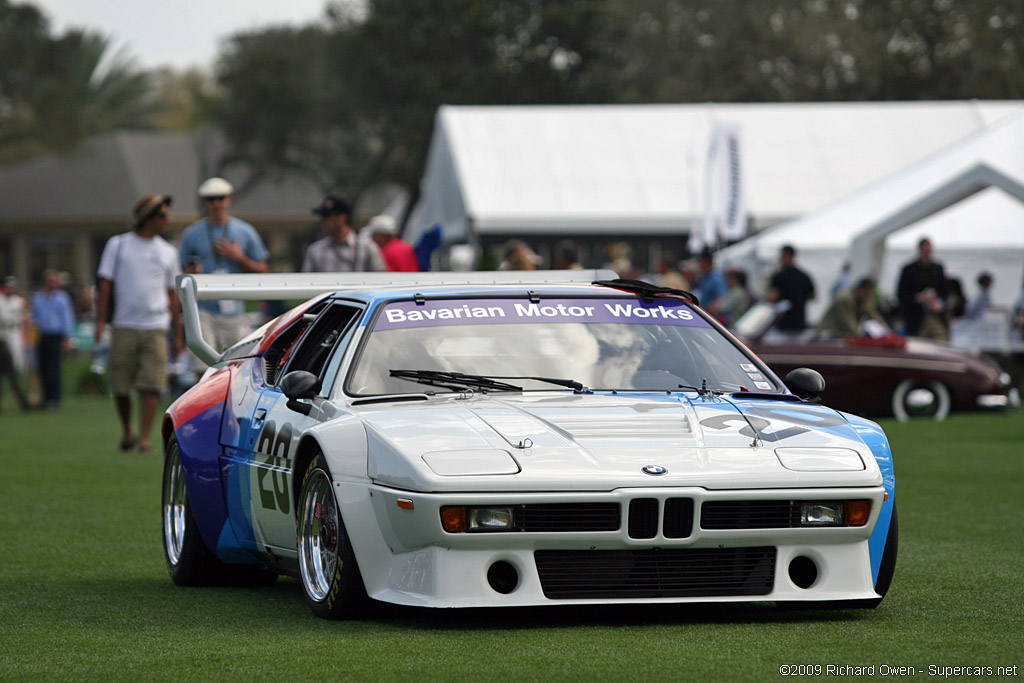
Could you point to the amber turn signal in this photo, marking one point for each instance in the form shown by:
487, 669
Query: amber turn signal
453, 519
858, 512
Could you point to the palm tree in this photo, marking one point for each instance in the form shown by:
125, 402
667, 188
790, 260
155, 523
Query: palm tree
57, 92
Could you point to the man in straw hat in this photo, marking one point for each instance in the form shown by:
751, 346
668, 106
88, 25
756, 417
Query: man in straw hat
137, 270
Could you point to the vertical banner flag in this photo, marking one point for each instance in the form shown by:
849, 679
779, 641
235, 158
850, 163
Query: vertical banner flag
725, 211
733, 225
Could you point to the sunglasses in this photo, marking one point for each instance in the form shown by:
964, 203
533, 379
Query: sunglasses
218, 198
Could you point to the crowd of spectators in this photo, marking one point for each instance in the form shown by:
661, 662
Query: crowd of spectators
137, 316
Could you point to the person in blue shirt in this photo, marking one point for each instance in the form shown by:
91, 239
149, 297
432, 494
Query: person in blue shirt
220, 243
711, 288
976, 308
54, 317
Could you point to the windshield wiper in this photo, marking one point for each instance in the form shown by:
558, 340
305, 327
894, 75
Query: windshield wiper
455, 381
647, 290
570, 383
703, 389
480, 381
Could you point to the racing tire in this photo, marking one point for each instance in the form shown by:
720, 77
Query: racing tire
914, 398
189, 561
328, 570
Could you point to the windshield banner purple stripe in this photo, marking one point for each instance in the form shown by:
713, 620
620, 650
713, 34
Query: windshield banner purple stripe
435, 313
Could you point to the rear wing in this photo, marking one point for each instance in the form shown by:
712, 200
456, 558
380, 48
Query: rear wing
277, 286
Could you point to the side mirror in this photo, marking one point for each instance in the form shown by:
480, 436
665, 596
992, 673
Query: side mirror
807, 384
299, 385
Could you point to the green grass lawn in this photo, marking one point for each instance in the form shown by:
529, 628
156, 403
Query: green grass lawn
84, 594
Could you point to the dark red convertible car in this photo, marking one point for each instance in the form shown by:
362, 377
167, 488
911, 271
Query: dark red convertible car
889, 375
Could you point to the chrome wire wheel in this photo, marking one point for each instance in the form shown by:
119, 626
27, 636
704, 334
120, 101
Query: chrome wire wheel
318, 535
174, 505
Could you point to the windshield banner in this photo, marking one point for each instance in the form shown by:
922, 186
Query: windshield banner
438, 312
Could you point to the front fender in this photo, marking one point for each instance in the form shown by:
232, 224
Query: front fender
343, 442
875, 439
195, 419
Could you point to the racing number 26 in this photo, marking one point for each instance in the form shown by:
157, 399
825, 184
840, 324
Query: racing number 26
274, 494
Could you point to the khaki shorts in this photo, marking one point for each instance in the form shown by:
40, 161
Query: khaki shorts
138, 360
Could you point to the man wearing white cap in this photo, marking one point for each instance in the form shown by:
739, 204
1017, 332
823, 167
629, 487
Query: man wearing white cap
399, 255
220, 243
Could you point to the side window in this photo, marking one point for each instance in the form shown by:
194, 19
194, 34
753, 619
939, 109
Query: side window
333, 366
278, 354
315, 347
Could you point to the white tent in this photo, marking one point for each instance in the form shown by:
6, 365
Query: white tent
639, 169
967, 198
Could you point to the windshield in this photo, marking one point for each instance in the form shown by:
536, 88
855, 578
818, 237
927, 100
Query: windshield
622, 344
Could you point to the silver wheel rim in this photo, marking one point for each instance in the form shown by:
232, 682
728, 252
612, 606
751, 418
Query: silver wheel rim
318, 536
174, 507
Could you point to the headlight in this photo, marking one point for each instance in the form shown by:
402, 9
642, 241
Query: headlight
459, 519
821, 514
490, 519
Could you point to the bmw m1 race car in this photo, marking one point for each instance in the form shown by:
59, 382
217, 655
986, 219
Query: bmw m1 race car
509, 439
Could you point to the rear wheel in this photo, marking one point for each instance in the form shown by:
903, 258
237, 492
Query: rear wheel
327, 565
913, 398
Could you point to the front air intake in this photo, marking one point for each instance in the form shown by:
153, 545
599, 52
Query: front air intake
656, 573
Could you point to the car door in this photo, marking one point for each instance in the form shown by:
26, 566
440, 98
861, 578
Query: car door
275, 428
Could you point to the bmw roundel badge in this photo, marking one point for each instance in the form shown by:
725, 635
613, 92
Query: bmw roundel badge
654, 470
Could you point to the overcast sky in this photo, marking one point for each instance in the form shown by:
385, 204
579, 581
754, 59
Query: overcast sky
178, 33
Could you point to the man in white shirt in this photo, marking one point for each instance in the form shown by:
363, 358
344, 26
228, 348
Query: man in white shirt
138, 269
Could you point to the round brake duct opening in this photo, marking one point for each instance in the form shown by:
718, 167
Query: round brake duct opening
502, 577
803, 572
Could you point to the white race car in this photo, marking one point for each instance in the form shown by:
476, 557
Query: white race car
516, 438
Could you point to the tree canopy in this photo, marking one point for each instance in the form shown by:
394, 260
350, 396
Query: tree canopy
351, 101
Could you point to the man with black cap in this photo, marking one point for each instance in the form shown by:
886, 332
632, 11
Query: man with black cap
341, 250
136, 276
220, 243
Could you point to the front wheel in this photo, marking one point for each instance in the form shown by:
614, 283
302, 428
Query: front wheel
189, 561
327, 565
920, 398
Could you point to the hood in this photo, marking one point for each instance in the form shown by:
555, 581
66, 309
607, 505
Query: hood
599, 442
